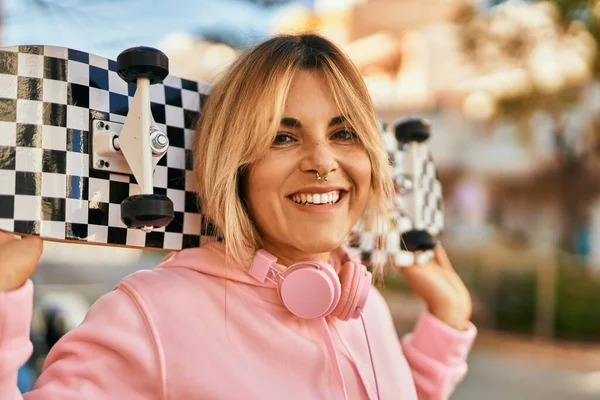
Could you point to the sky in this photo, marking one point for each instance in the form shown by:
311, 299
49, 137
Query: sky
106, 27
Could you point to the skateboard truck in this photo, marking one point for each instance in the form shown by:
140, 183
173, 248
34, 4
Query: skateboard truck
410, 133
140, 143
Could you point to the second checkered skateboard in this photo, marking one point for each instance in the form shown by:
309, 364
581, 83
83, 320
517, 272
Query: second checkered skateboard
75, 167
416, 220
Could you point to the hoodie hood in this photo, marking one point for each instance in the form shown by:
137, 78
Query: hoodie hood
208, 259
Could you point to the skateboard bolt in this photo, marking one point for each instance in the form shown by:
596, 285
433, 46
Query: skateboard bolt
404, 184
100, 163
158, 142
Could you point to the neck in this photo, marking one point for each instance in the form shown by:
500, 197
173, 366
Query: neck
288, 255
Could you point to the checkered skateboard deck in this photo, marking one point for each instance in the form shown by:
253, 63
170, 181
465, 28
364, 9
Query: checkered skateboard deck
51, 100
52, 184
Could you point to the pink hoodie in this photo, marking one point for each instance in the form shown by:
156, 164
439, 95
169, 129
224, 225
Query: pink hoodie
193, 329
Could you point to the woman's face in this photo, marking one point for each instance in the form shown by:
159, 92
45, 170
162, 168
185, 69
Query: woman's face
299, 216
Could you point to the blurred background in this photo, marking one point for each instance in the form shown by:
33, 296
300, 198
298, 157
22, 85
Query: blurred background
512, 89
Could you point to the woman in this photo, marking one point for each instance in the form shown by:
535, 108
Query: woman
288, 158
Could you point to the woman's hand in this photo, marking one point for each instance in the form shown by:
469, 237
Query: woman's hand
441, 288
18, 260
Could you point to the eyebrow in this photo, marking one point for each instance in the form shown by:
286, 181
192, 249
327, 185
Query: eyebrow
294, 123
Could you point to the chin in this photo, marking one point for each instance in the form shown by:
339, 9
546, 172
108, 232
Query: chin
321, 245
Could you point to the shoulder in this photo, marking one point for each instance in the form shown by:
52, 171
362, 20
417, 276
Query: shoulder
156, 280
376, 302
377, 310
177, 266
198, 272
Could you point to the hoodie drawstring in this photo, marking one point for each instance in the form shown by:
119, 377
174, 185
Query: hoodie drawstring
370, 355
333, 356
335, 361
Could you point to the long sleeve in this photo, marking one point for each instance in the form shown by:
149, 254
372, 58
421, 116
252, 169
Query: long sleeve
437, 356
112, 354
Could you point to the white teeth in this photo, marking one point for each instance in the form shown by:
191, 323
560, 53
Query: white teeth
317, 198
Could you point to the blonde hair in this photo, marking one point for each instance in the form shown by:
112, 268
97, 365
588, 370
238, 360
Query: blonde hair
242, 115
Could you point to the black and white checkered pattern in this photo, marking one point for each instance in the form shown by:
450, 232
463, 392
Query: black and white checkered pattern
424, 211
421, 209
48, 97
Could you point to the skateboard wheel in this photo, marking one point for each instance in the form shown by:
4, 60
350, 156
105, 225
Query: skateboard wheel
142, 62
147, 210
417, 241
412, 130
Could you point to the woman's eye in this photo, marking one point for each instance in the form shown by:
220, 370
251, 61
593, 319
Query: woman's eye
283, 138
345, 134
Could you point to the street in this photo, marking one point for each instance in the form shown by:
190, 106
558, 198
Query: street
493, 376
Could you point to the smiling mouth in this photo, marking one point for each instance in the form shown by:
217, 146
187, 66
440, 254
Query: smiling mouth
332, 197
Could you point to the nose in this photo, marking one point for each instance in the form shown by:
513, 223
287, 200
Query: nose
319, 159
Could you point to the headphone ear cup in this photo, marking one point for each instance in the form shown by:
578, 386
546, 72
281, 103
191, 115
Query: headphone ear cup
310, 289
355, 283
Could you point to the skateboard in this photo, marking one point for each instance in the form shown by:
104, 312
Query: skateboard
98, 151
416, 221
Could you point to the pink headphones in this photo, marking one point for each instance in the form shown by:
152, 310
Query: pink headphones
312, 289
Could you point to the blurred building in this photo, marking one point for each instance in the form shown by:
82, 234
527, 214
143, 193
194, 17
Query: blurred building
488, 76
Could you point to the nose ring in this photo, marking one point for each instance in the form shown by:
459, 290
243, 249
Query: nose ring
326, 178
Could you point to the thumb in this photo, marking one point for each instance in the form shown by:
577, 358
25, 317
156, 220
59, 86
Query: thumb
18, 261
442, 258
6, 237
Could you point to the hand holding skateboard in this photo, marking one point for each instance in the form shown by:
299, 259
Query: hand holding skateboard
18, 260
